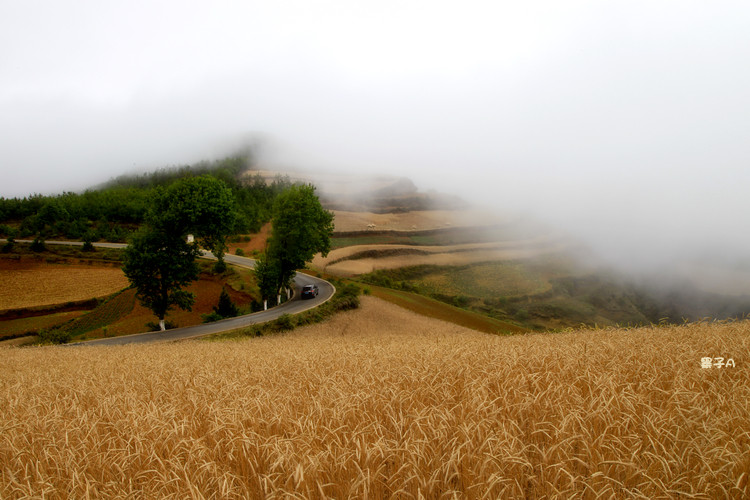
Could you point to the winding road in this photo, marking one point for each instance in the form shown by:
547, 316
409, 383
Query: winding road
294, 306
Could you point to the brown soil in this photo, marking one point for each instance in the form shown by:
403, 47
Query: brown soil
257, 241
207, 291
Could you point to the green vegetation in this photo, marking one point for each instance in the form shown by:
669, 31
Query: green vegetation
54, 337
113, 211
160, 260
61, 253
540, 294
159, 265
301, 228
224, 309
491, 279
24, 327
434, 237
63, 327
107, 313
203, 206
346, 298
436, 309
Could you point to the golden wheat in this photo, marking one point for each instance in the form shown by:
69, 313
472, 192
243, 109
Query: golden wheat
29, 285
380, 403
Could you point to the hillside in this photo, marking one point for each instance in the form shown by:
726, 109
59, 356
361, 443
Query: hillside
507, 267
377, 402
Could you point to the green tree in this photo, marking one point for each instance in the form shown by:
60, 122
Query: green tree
268, 277
159, 265
301, 228
203, 206
226, 308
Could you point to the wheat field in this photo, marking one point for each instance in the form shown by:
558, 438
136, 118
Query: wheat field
31, 284
381, 403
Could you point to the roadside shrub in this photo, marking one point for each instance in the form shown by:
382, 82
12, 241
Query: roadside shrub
211, 317
9, 245
54, 337
88, 246
461, 301
347, 303
239, 252
38, 245
283, 323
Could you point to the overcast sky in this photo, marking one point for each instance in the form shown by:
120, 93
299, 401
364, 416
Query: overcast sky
624, 122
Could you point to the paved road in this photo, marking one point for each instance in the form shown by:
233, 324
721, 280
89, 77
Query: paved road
296, 305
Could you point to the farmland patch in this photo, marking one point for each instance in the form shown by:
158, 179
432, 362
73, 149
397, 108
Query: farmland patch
30, 283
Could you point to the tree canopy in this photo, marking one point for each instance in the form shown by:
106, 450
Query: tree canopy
203, 206
159, 265
301, 228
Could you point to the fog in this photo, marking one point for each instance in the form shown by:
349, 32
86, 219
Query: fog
623, 123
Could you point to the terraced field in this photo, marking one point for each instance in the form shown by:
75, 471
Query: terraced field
29, 284
490, 279
361, 259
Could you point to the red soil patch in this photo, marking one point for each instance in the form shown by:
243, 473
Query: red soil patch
206, 290
257, 241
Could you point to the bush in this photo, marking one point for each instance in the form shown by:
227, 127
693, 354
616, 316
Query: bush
239, 252
211, 317
347, 303
9, 246
88, 246
283, 323
38, 245
226, 308
54, 337
7, 231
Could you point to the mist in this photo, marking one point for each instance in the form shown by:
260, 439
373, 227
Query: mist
621, 123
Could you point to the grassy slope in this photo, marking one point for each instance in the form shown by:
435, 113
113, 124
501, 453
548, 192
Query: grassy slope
380, 400
439, 310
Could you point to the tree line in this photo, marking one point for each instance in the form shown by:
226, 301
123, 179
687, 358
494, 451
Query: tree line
111, 212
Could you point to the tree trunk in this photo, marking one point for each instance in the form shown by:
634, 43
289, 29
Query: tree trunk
265, 304
278, 299
288, 293
161, 324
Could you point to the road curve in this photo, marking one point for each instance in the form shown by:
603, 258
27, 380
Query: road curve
294, 306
